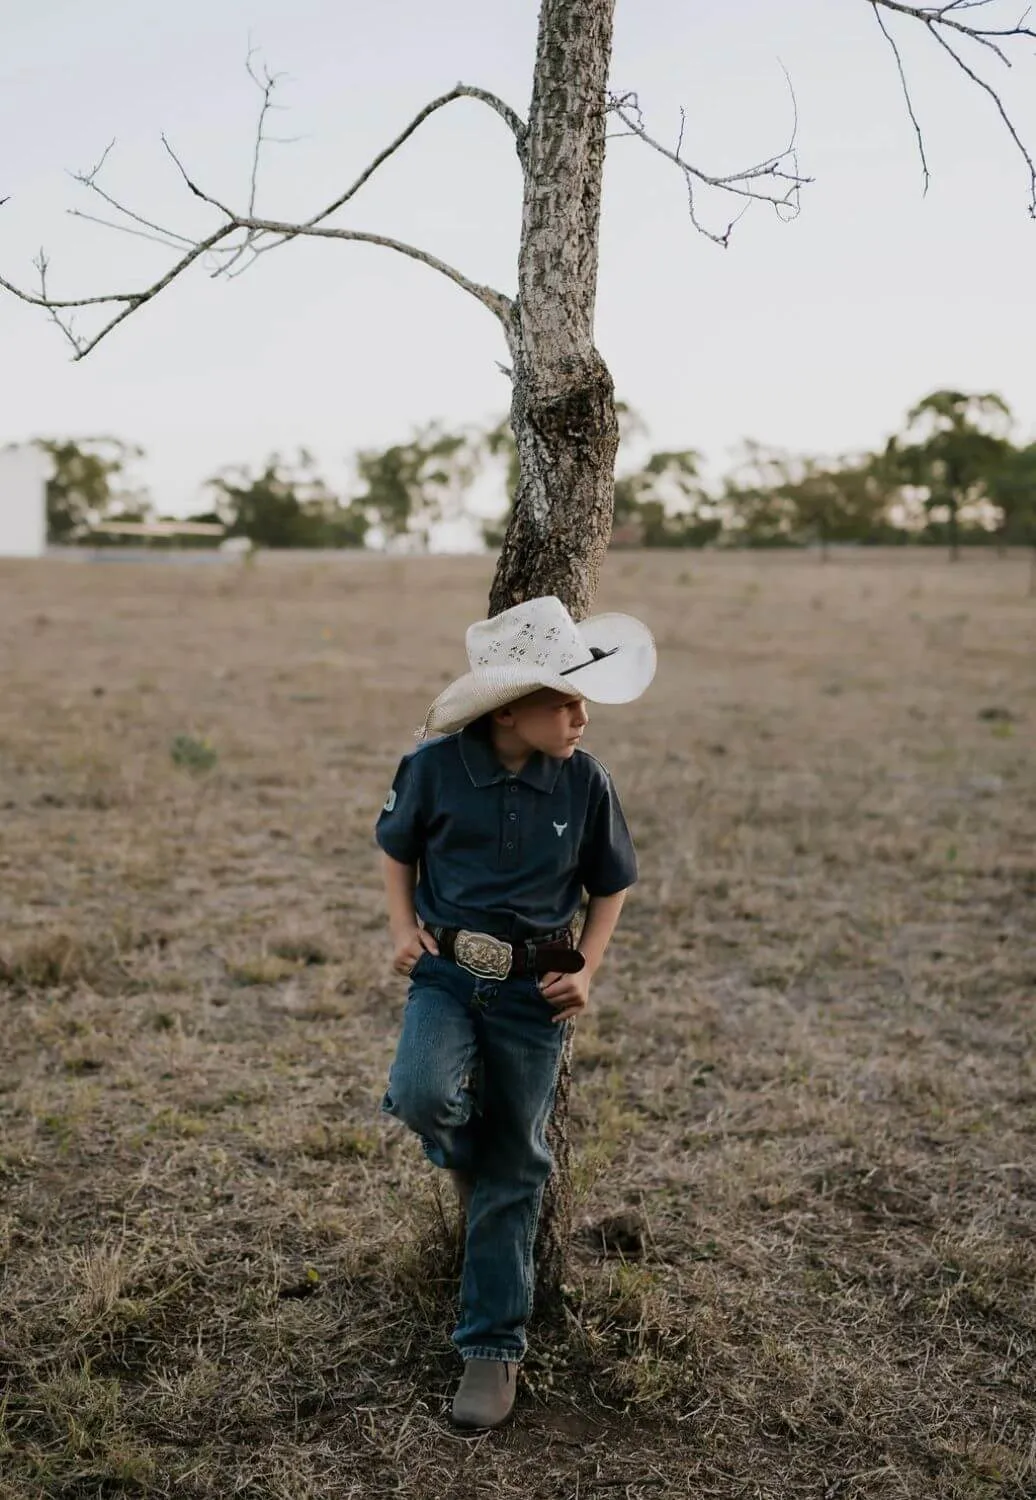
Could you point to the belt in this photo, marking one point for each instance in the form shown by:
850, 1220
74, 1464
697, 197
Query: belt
491, 957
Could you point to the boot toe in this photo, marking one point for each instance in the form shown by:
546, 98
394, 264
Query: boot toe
485, 1397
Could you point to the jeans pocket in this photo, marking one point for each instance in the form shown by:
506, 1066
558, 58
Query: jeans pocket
542, 1007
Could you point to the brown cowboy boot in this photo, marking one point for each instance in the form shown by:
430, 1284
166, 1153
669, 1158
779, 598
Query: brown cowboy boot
485, 1396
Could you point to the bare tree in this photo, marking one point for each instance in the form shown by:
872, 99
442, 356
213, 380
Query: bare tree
563, 407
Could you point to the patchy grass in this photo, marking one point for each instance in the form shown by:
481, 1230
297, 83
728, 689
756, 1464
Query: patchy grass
54, 959
264, 968
804, 1101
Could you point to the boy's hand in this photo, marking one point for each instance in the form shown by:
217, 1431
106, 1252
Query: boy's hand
568, 993
409, 947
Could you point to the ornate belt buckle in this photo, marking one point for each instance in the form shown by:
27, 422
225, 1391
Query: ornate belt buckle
484, 956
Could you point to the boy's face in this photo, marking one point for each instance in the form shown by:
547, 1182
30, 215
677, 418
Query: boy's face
546, 720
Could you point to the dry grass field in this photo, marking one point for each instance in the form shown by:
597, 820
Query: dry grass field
809, 1065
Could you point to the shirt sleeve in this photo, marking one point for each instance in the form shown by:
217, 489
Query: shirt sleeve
400, 829
607, 858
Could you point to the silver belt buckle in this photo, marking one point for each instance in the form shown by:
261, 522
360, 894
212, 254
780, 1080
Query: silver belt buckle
484, 956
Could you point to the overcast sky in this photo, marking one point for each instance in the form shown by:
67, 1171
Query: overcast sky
815, 335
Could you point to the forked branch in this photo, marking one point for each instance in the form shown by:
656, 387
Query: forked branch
947, 16
776, 180
461, 91
953, 26
243, 236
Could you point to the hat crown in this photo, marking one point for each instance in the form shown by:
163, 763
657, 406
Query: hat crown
538, 633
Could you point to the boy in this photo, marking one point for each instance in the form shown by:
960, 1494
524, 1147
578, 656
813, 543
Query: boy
489, 836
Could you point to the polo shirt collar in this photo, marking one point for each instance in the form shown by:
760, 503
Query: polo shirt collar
476, 751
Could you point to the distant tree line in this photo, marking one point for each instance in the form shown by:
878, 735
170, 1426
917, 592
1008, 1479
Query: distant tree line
953, 476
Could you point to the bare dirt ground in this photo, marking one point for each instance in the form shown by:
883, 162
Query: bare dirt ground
809, 1066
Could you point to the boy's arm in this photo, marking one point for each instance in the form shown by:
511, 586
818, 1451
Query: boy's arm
400, 833
602, 914
607, 868
408, 938
570, 993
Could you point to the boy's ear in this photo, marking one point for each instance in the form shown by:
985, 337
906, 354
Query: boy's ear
504, 715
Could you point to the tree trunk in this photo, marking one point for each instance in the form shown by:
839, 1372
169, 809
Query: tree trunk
562, 410
954, 532
563, 405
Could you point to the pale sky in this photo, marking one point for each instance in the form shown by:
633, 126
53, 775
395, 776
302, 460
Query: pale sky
815, 335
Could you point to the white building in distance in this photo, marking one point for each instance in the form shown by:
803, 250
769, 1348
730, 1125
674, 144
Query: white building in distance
23, 502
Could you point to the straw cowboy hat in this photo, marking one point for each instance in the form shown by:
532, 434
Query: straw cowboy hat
607, 658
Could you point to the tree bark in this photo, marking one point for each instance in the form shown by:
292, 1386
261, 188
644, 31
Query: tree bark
562, 412
563, 404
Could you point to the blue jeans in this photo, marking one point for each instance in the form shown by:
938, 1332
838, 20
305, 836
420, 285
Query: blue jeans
474, 1075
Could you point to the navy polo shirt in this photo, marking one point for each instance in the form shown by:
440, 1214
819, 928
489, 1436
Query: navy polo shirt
509, 853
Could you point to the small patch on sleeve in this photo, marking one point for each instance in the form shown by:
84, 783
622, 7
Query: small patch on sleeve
390, 801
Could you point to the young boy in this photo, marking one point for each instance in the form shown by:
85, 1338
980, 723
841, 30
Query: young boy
490, 835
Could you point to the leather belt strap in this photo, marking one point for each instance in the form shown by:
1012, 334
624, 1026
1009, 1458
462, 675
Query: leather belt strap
554, 955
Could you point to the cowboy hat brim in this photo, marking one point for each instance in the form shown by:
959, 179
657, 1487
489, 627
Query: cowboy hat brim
626, 669
619, 675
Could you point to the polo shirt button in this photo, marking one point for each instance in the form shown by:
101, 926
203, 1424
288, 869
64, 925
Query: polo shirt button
513, 817
510, 845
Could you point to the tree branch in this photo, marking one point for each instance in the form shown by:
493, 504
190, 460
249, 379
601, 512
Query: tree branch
779, 172
1001, 111
906, 95
132, 300
945, 21
460, 91
42, 266
495, 301
150, 230
253, 228
266, 87
513, 120
943, 15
